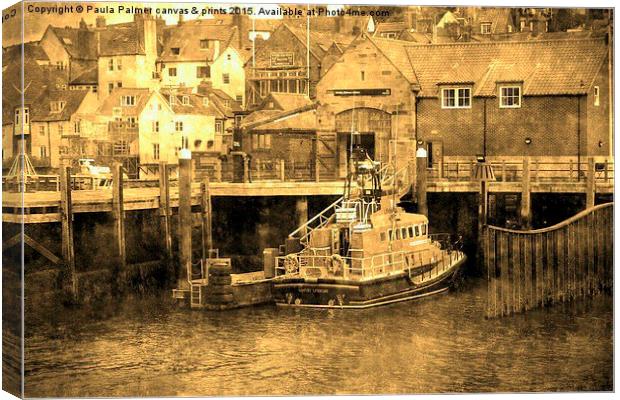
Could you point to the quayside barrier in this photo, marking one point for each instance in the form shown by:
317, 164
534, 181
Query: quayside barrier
535, 268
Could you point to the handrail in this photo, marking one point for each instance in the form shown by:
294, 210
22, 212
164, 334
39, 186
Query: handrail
316, 217
557, 226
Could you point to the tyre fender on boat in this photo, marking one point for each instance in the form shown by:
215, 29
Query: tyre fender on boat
291, 264
337, 264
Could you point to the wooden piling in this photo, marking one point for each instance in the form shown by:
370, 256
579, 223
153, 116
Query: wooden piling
119, 213
185, 216
66, 218
526, 204
421, 166
567, 261
164, 208
590, 184
205, 206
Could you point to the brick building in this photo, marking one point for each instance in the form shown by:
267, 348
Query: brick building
537, 98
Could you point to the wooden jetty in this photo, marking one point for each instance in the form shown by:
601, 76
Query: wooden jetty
533, 268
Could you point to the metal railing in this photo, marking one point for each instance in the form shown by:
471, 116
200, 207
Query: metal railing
426, 264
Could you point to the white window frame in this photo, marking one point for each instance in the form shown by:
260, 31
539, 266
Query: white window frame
226, 79
597, 96
456, 90
501, 96
178, 126
185, 100
484, 25
170, 72
128, 100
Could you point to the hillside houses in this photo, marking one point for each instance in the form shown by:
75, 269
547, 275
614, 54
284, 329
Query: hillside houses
144, 90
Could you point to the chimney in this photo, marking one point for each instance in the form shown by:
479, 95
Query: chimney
180, 21
100, 22
204, 87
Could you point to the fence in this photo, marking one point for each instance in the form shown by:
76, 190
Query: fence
530, 269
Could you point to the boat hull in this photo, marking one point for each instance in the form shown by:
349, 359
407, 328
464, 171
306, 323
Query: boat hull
348, 294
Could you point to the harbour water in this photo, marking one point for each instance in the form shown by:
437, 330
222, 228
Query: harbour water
443, 344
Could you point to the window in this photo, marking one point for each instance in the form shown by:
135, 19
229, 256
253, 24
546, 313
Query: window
119, 84
417, 230
219, 127
382, 236
111, 64
18, 113
226, 78
205, 101
423, 229
94, 89
57, 106
203, 72
485, 28
262, 141
510, 96
121, 147
128, 100
522, 25
228, 57
456, 98
172, 99
597, 97
119, 64
61, 130
531, 26
156, 126
131, 122
403, 233
77, 126
42, 130
239, 98
390, 236
184, 142
204, 44
43, 152
175, 50
172, 72
410, 229
110, 87
509, 28
363, 75
155, 151
178, 126
238, 119
185, 100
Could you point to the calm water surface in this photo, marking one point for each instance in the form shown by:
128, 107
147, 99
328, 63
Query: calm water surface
440, 344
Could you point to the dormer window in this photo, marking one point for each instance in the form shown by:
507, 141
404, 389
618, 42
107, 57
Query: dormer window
485, 28
205, 101
171, 99
57, 106
204, 44
175, 50
510, 96
185, 100
18, 113
456, 97
128, 100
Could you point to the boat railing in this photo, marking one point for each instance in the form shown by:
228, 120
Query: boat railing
362, 268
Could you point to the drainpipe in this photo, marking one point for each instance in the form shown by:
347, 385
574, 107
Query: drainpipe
484, 128
578, 138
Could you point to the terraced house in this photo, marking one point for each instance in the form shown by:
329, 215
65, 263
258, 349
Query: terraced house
202, 50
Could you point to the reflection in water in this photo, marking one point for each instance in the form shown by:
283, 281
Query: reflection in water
442, 344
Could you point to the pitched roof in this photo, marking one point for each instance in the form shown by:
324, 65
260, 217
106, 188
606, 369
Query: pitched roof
288, 101
544, 67
195, 106
42, 111
187, 39
390, 27
396, 52
37, 79
31, 50
304, 120
119, 39
114, 101
79, 42
87, 77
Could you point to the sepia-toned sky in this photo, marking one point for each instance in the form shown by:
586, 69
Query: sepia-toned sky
35, 24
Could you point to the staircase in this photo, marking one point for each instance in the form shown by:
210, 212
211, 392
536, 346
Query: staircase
390, 180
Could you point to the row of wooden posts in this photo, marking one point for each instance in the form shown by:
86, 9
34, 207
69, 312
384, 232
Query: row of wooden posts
165, 212
529, 269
